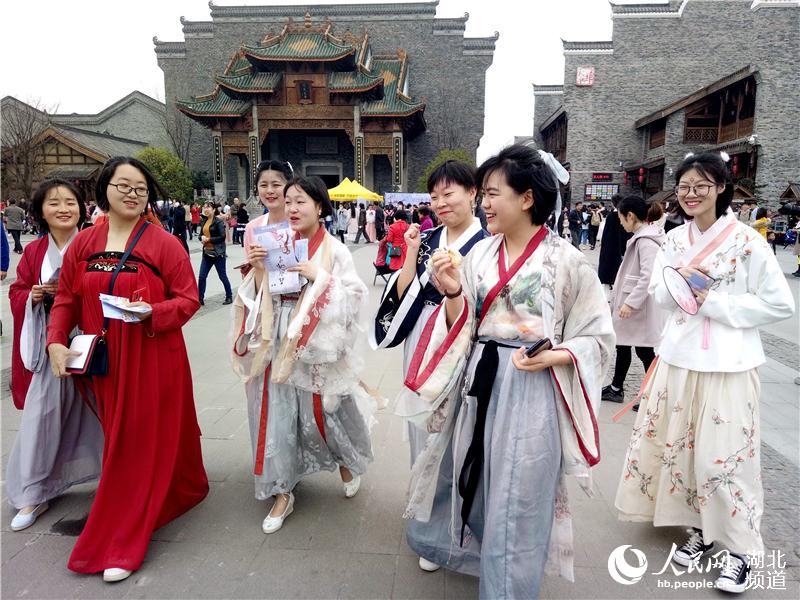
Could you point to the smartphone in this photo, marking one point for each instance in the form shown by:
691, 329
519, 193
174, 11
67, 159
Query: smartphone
700, 282
537, 347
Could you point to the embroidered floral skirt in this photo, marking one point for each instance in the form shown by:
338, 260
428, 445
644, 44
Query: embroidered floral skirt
694, 457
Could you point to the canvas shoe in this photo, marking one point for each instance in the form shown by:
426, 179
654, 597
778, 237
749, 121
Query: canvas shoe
612, 395
351, 487
692, 549
733, 577
427, 565
115, 574
272, 524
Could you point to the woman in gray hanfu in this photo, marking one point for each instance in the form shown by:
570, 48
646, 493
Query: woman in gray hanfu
487, 495
60, 442
307, 409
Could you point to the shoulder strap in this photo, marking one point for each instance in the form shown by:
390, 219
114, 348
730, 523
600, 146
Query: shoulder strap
121, 263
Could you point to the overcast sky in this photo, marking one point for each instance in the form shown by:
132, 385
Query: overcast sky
82, 55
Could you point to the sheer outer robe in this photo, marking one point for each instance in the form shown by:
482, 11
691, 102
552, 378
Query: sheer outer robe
575, 317
28, 273
315, 355
152, 464
59, 443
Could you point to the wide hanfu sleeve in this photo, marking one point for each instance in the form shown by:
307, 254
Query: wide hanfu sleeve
182, 298
396, 315
65, 313
768, 298
582, 327
18, 296
440, 358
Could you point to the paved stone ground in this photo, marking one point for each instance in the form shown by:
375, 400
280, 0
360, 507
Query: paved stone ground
332, 547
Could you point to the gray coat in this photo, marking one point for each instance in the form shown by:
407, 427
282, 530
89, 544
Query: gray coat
644, 327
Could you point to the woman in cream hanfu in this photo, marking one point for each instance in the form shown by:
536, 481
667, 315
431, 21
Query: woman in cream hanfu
60, 442
307, 408
487, 495
694, 454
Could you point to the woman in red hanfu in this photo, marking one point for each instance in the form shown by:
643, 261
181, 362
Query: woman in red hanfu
152, 464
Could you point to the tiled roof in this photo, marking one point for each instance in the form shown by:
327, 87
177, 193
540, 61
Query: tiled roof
393, 103
325, 10
263, 82
300, 46
218, 104
353, 81
641, 8
102, 143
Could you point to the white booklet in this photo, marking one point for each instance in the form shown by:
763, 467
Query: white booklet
283, 252
82, 344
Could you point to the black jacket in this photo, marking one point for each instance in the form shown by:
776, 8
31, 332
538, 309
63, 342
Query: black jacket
612, 248
179, 220
217, 236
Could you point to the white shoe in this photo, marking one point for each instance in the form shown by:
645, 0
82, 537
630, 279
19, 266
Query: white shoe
351, 487
426, 565
272, 524
115, 574
23, 521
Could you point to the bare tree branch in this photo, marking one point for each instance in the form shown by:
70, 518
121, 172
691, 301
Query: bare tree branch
23, 153
180, 130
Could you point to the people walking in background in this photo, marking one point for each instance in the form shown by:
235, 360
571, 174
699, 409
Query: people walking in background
694, 457
370, 228
5, 254
425, 221
242, 219
612, 245
15, 223
362, 224
342, 221
307, 409
187, 218
638, 320
395, 237
761, 222
195, 211
212, 236
380, 221
595, 218
59, 442
576, 224
179, 224
152, 464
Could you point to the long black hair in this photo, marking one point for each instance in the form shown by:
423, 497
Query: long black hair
524, 170
156, 192
39, 196
645, 211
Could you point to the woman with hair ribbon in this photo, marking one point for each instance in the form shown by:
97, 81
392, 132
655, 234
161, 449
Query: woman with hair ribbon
694, 455
507, 378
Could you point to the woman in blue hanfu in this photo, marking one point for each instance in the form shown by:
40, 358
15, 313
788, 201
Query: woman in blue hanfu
488, 495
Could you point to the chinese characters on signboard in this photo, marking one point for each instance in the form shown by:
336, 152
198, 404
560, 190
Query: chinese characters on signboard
584, 77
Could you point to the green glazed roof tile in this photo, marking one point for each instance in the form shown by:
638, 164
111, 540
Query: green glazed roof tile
353, 81
392, 103
264, 82
217, 105
301, 46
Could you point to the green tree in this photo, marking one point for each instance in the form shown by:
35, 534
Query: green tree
442, 156
170, 171
201, 180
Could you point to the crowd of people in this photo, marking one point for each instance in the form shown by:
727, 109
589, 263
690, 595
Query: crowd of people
507, 335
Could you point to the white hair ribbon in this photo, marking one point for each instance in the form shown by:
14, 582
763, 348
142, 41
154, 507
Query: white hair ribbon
561, 175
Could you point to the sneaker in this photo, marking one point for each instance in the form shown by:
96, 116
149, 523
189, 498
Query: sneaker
693, 549
426, 565
612, 395
733, 577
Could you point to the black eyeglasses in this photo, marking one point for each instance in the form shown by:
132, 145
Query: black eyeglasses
125, 189
700, 190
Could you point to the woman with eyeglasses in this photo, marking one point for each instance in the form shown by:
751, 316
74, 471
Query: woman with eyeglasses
59, 442
307, 409
694, 455
152, 464
212, 236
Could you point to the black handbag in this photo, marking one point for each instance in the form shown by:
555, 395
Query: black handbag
97, 363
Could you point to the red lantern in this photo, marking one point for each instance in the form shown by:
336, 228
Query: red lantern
625, 178
735, 169
641, 171
641, 178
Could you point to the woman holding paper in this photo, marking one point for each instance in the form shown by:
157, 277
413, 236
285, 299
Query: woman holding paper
152, 465
694, 454
271, 177
487, 495
59, 442
307, 408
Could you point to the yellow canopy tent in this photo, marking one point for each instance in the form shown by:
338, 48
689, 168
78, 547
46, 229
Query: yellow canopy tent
352, 190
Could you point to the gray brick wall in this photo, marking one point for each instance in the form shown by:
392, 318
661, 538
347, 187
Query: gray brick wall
657, 61
438, 66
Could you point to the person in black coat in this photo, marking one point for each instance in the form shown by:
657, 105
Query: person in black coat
612, 245
575, 224
212, 236
179, 224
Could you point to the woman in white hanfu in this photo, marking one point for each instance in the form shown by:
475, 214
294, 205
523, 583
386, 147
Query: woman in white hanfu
487, 495
60, 442
307, 409
694, 454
